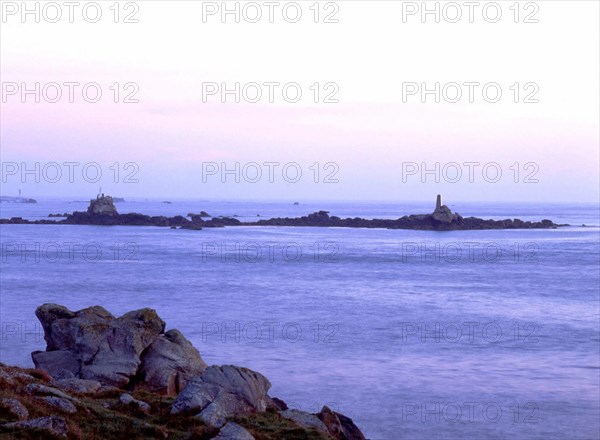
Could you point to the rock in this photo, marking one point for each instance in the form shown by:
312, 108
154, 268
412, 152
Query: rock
304, 419
56, 425
106, 349
443, 215
278, 404
63, 374
203, 214
6, 377
38, 389
56, 362
340, 426
169, 362
60, 403
233, 431
221, 392
25, 377
80, 386
14, 407
127, 399
102, 205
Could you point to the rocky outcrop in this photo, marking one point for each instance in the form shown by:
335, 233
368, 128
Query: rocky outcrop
340, 426
334, 424
443, 214
221, 392
102, 205
93, 344
305, 419
92, 355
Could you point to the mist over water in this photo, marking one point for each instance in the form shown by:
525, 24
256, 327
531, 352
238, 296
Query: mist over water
413, 334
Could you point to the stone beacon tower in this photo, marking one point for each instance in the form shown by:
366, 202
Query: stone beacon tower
438, 203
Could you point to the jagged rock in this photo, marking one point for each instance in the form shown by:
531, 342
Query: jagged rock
340, 426
14, 407
80, 386
107, 349
233, 431
221, 392
56, 425
304, 419
127, 399
103, 205
60, 403
169, 362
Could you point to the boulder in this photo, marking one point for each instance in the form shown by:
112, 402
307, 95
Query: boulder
14, 407
221, 392
105, 348
304, 419
56, 362
55, 425
6, 377
127, 399
169, 362
277, 404
43, 390
233, 431
80, 386
60, 403
340, 426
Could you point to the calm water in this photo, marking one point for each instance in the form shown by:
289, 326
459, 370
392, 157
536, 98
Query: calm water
413, 334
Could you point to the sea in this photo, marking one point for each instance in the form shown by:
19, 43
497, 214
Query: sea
413, 334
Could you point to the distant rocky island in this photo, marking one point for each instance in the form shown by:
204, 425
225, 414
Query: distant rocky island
102, 211
110, 377
10, 199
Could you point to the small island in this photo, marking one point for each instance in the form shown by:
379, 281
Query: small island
102, 211
9, 199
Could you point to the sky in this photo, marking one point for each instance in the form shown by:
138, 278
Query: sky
369, 136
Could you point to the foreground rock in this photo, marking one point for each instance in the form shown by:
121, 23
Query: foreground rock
125, 378
220, 393
169, 362
14, 408
94, 345
53, 425
340, 426
233, 431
